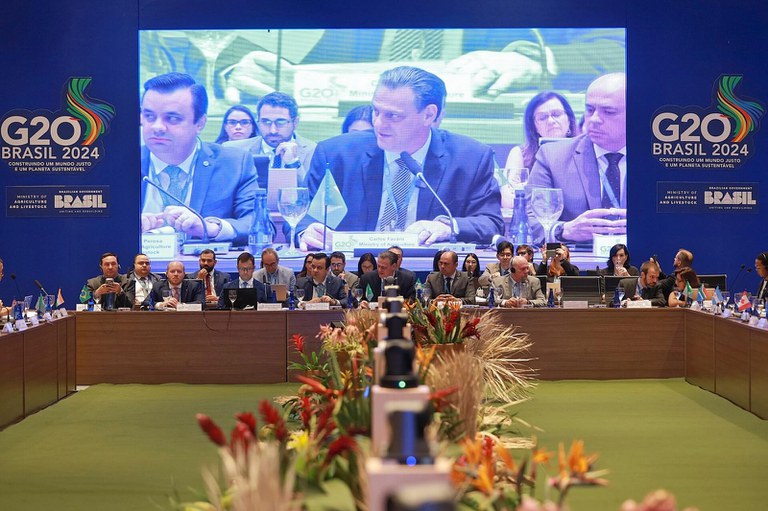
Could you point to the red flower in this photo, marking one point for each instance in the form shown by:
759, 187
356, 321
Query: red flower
432, 319
248, 419
338, 446
273, 418
298, 342
212, 430
242, 437
438, 397
306, 410
470, 329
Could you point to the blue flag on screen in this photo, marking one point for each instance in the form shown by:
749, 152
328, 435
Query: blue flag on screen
328, 194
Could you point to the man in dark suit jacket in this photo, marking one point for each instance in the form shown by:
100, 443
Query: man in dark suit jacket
367, 169
140, 279
246, 264
386, 269
179, 289
646, 286
217, 182
592, 205
322, 285
111, 295
213, 281
448, 283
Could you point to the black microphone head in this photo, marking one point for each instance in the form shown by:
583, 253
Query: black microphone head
412, 164
38, 284
743, 266
13, 276
749, 270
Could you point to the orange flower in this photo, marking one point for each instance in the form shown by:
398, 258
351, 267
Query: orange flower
298, 342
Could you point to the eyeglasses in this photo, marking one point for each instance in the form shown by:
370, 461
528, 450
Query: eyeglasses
544, 116
245, 268
242, 122
280, 123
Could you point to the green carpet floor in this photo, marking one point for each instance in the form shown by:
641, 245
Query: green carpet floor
129, 447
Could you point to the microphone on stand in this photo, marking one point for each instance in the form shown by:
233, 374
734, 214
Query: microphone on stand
738, 274
18, 290
39, 285
413, 166
600, 282
181, 203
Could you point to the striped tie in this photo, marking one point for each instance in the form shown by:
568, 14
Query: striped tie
613, 176
176, 180
395, 214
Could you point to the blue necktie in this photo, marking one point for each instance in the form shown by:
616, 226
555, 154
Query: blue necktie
396, 213
613, 176
320, 290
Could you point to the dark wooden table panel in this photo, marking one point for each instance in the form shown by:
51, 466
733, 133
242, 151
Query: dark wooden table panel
41, 367
758, 369
732, 361
11, 378
700, 350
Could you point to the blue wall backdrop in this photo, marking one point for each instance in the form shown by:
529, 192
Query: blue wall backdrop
676, 51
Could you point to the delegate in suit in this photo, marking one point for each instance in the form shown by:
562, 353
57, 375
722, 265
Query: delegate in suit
382, 194
176, 288
386, 268
449, 283
645, 287
590, 169
217, 182
518, 288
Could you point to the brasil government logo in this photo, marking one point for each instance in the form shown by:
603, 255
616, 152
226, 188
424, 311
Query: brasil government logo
718, 137
68, 140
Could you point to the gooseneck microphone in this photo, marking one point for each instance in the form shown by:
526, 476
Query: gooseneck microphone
18, 290
413, 166
738, 274
181, 203
39, 285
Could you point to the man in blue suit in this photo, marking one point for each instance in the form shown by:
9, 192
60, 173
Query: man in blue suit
176, 288
217, 182
591, 169
246, 264
381, 192
322, 286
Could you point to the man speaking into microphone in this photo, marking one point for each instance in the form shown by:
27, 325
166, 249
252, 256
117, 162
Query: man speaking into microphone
195, 181
381, 189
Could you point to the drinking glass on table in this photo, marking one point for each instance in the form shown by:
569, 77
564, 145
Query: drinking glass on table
426, 294
620, 288
166, 296
357, 293
293, 204
299, 294
232, 294
559, 295
547, 204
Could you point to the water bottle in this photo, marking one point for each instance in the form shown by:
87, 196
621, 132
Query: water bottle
262, 231
616, 299
491, 300
551, 299
291, 301
519, 231
90, 303
350, 299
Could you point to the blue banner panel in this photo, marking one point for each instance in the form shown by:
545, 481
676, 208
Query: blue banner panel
712, 198
57, 201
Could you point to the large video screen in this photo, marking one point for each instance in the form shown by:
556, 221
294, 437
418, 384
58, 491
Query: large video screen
430, 136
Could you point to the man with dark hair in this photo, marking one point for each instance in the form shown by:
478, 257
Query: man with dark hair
646, 286
683, 259
338, 265
246, 264
107, 288
378, 185
213, 281
449, 283
195, 177
277, 116
322, 285
175, 289
761, 267
140, 279
386, 269
504, 254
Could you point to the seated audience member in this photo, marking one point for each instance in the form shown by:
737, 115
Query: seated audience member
472, 268
448, 283
547, 115
4, 311
527, 252
761, 267
176, 288
436, 260
386, 268
359, 118
646, 286
238, 124
110, 295
504, 255
560, 264
140, 279
213, 281
322, 285
683, 259
272, 273
683, 277
366, 263
246, 264
399, 264
305, 270
517, 287
618, 262
338, 267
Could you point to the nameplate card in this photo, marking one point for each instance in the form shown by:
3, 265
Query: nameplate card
80, 307
317, 306
62, 313
8, 328
753, 320
727, 313
575, 304
349, 241
189, 307
270, 307
47, 317
638, 304
695, 306
34, 320
21, 325
762, 323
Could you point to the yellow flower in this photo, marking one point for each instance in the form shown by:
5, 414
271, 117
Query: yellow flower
299, 441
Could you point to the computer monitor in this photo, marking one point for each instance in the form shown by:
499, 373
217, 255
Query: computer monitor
611, 282
245, 297
715, 280
582, 288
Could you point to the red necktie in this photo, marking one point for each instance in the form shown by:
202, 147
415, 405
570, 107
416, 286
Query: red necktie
176, 293
208, 284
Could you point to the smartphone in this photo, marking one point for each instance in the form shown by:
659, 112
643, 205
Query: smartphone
551, 249
109, 281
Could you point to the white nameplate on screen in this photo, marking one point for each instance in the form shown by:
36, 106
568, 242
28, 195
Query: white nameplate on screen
349, 241
575, 304
317, 306
189, 307
639, 304
159, 245
270, 307
34, 320
8, 328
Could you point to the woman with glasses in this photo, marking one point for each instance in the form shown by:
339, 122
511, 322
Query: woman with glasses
548, 115
238, 124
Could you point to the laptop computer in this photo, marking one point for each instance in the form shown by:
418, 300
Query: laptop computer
582, 288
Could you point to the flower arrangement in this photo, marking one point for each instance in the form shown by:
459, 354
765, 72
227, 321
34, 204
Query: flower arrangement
441, 323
